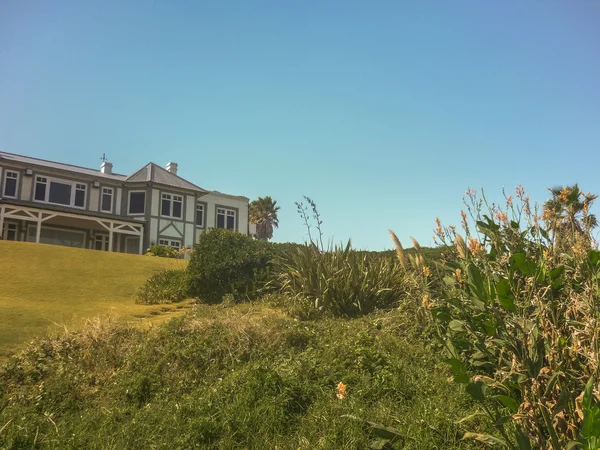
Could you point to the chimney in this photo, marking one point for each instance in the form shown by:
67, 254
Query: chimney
172, 167
106, 168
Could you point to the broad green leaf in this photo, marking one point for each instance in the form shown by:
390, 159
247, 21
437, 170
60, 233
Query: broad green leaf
486, 439
509, 402
456, 325
521, 262
477, 390
384, 432
505, 296
557, 272
476, 282
590, 429
458, 370
594, 257
522, 440
470, 417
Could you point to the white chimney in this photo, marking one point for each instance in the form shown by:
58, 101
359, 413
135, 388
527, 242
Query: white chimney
172, 167
106, 168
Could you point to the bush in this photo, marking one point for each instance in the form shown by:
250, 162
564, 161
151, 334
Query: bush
226, 262
165, 287
163, 251
343, 282
519, 316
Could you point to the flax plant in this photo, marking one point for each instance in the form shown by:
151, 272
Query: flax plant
520, 319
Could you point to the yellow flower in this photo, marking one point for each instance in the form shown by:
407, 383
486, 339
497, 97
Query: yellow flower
426, 271
564, 194
341, 391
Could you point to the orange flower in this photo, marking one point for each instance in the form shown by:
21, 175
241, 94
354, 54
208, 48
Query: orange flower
341, 391
509, 200
475, 247
425, 301
564, 194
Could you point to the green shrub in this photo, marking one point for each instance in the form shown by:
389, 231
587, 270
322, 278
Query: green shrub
519, 315
342, 282
163, 251
226, 262
165, 287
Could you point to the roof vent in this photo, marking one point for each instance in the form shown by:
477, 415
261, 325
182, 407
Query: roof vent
106, 168
172, 167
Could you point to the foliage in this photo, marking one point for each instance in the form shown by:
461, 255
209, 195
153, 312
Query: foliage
342, 282
263, 212
226, 262
162, 251
167, 286
520, 319
240, 377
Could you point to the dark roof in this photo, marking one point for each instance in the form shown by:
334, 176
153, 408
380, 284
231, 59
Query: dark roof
56, 165
156, 174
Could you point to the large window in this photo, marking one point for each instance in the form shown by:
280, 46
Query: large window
60, 192
107, 199
226, 218
10, 183
199, 214
68, 238
171, 206
137, 202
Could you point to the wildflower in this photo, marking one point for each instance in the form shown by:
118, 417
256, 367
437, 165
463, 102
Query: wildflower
520, 191
564, 195
509, 200
425, 301
501, 216
426, 271
475, 247
341, 391
470, 193
438, 228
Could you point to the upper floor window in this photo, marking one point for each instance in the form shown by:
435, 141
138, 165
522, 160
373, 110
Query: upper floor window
106, 200
226, 218
137, 202
199, 214
59, 192
171, 205
10, 183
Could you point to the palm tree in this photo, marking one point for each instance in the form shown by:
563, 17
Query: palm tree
567, 213
263, 212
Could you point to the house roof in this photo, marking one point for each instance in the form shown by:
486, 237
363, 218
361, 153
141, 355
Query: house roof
11, 157
154, 173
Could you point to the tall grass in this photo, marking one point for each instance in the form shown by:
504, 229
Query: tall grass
343, 282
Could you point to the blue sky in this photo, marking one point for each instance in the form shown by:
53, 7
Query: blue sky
383, 112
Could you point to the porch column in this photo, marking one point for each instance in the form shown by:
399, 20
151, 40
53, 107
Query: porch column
38, 230
1, 221
141, 242
110, 237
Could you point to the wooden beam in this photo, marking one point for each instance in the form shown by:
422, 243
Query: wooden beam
1, 221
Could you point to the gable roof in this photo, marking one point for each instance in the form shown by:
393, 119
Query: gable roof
155, 174
11, 157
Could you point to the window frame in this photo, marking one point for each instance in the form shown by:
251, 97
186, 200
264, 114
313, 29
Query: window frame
204, 207
48, 183
112, 197
168, 242
226, 211
136, 191
5, 178
171, 198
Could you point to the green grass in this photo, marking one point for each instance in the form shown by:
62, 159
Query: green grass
245, 376
43, 287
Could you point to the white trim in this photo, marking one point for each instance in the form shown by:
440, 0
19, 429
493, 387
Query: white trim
171, 198
201, 205
48, 182
226, 212
112, 199
129, 213
18, 175
173, 243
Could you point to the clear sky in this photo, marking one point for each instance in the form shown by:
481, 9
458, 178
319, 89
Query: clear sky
384, 112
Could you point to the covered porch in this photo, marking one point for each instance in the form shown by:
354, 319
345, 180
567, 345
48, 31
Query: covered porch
50, 226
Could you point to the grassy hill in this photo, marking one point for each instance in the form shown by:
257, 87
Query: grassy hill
45, 286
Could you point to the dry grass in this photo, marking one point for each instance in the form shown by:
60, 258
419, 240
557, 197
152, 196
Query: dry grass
44, 287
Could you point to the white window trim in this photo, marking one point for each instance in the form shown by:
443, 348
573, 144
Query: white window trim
129, 213
226, 213
168, 242
6, 172
50, 227
112, 199
73, 185
203, 206
171, 199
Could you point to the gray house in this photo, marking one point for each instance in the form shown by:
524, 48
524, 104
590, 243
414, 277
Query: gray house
55, 203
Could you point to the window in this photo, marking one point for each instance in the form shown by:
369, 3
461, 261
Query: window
40, 188
10, 232
59, 192
199, 215
80, 195
226, 218
171, 205
106, 201
170, 243
10, 183
68, 238
137, 202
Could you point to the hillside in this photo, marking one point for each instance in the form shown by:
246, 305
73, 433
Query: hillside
46, 286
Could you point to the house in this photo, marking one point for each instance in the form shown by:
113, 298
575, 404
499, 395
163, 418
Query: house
55, 203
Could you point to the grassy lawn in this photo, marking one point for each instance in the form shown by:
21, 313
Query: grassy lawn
43, 287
